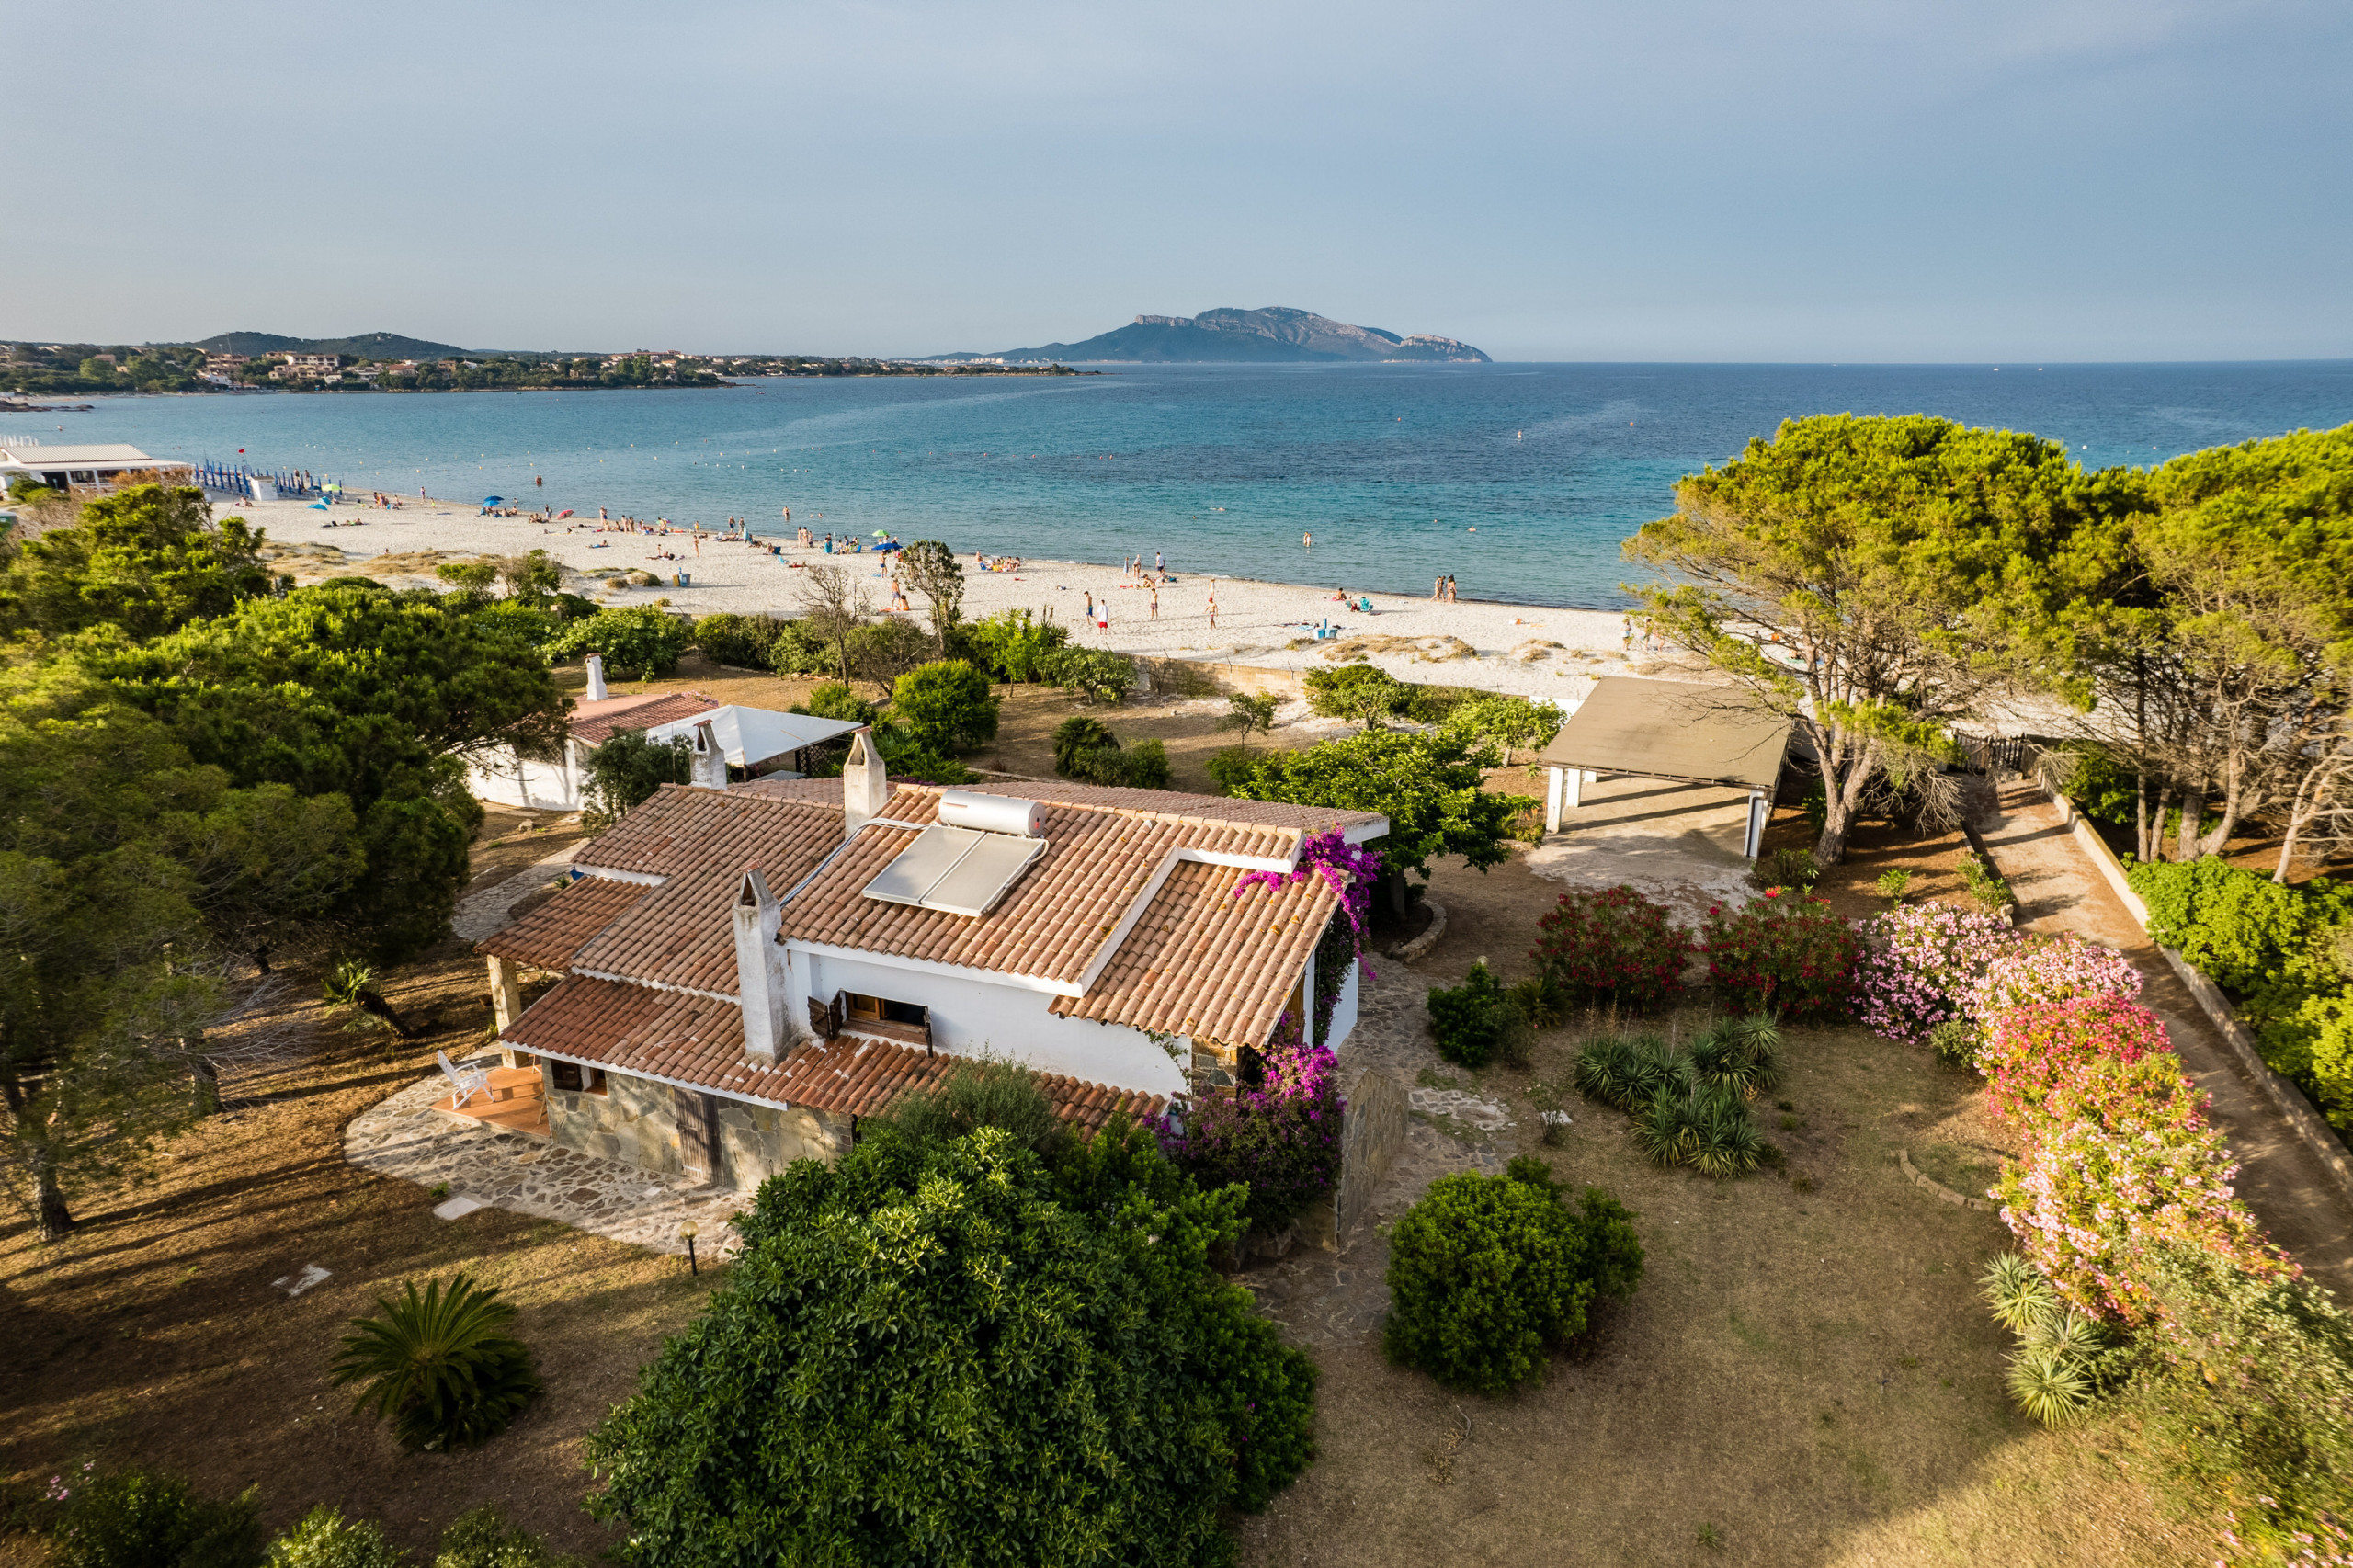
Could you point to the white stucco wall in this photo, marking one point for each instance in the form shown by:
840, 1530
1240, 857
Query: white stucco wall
1344, 1016
972, 1018
554, 786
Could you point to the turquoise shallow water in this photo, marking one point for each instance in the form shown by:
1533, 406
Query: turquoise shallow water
1393, 468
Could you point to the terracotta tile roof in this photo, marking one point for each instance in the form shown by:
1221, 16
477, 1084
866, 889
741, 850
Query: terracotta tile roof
816, 791
1057, 914
700, 842
595, 722
693, 1040
1203, 962
1178, 805
548, 935
680, 829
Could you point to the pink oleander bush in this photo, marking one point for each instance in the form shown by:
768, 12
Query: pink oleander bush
2031, 1052
1919, 962
2091, 1201
2050, 968
1784, 954
2120, 1159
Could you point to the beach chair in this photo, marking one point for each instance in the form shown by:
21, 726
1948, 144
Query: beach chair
468, 1081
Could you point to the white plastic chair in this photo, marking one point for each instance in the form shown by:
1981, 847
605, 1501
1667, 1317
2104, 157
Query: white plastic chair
469, 1081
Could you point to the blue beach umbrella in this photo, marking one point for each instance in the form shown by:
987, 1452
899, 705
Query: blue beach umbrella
491, 500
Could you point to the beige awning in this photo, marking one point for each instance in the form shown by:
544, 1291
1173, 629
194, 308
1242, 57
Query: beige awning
1669, 729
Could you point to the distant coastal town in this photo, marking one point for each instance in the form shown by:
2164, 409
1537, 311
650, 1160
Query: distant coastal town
399, 365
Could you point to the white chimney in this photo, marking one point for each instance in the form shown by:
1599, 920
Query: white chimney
866, 785
759, 969
597, 678
708, 767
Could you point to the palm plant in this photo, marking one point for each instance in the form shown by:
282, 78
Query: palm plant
2018, 1292
352, 985
1664, 1133
2054, 1389
1605, 1071
1724, 1141
1740, 1056
1541, 1000
439, 1365
2074, 1334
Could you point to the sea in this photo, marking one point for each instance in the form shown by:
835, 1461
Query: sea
1520, 480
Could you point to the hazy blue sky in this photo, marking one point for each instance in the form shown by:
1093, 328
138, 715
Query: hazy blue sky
1685, 179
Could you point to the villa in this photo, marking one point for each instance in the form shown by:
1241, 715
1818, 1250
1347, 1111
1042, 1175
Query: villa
746, 971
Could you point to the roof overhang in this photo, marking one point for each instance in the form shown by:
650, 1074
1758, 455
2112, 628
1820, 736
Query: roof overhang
1681, 730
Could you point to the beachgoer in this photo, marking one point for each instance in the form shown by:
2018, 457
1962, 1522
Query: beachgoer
541, 479
1155, 602
1159, 562
1307, 542
1626, 640
1212, 608
1091, 604
1438, 588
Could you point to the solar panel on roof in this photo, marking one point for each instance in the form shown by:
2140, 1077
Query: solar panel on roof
955, 869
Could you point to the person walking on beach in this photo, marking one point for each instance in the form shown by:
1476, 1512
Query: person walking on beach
1449, 589
1438, 590
1155, 601
1091, 604
1159, 563
1212, 607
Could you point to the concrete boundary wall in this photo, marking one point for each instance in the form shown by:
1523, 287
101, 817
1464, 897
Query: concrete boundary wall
2307, 1124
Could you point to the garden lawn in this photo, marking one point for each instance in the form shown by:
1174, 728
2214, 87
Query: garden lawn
1804, 1376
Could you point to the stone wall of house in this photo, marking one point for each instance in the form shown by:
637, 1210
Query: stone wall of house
635, 1121
757, 1141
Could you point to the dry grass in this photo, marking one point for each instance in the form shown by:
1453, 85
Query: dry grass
154, 1335
1806, 1368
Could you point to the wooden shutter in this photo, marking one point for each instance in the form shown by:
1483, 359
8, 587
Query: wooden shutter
697, 1117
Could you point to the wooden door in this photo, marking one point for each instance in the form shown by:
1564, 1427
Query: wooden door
697, 1117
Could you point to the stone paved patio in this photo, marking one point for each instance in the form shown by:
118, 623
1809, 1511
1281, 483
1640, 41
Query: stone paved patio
1338, 1298
401, 1138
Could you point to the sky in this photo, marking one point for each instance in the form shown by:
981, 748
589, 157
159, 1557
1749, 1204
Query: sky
1712, 180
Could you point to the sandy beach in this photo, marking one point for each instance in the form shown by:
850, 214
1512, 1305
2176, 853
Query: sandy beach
1530, 651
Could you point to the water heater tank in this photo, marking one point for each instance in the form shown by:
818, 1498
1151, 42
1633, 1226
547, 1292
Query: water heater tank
993, 813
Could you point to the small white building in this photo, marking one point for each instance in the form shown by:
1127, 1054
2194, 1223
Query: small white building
755, 741
64, 468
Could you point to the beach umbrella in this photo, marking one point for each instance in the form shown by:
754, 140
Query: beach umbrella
565, 513
491, 500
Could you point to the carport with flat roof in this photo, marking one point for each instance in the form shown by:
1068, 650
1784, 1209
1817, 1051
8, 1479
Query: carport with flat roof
1681, 731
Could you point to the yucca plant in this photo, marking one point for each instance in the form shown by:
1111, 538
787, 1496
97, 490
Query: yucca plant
1542, 1000
1605, 1071
1724, 1138
1739, 1057
1656, 1068
2066, 1331
1664, 1133
2054, 1389
440, 1366
2018, 1292
351, 985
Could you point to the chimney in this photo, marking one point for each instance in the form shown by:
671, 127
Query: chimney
708, 767
866, 787
759, 969
597, 678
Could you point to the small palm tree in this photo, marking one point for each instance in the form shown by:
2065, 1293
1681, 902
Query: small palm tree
439, 1365
2018, 1292
352, 986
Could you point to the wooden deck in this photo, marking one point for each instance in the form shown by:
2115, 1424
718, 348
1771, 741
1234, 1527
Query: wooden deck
515, 1101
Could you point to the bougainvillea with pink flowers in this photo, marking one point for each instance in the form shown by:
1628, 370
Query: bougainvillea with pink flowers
1350, 869
2050, 968
1919, 962
1279, 1134
1782, 953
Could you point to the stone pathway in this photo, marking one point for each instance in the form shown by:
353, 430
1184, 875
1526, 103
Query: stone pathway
2059, 889
1338, 1298
400, 1136
485, 914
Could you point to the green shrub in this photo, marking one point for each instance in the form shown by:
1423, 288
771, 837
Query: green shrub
903, 756
1954, 1042
1486, 1273
1029, 1371
482, 1539
1015, 646
440, 1366
1612, 944
2240, 928
794, 650
1086, 749
1078, 734
946, 706
832, 699
740, 642
1794, 868
1230, 768
1893, 883
645, 638
1091, 674
984, 1092
1541, 1000
623, 770
1362, 692
1509, 722
1627, 1071
1704, 1126
326, 1540
1742, 1055
1468, 1020
150, 1518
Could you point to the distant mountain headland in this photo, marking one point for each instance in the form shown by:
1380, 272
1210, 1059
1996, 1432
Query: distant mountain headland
1278, 334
